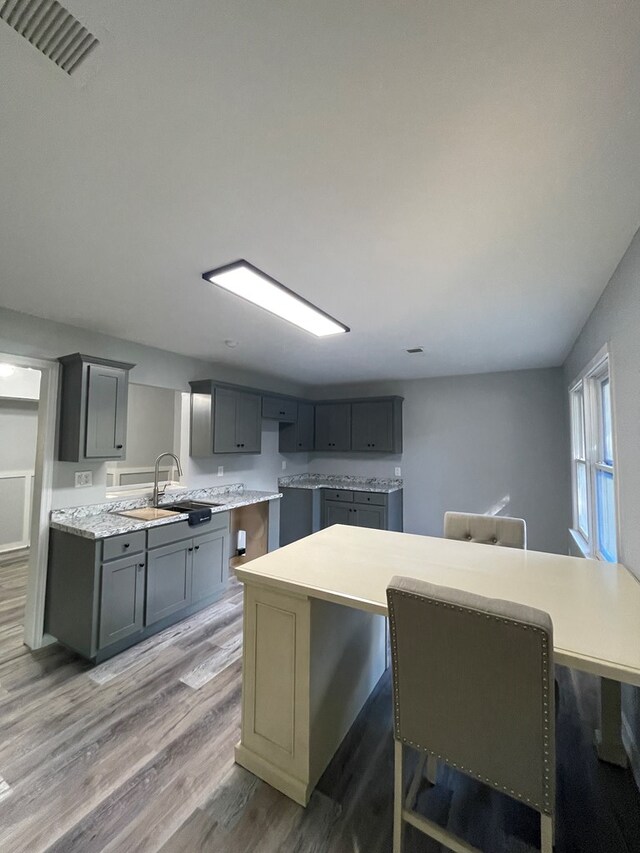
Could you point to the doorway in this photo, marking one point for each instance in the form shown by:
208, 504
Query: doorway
28, 394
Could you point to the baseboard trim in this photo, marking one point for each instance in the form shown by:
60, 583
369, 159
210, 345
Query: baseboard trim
632, 747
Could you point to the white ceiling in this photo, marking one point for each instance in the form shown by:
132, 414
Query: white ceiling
454, 174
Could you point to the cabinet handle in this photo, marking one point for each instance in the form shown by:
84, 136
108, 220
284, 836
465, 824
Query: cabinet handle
119, 446
191, 549
126, 544
141, 565
281, 413
197, 548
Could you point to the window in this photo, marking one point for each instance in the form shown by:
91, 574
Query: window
594, 503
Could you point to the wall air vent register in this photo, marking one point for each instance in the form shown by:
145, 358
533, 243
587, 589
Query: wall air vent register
52, 30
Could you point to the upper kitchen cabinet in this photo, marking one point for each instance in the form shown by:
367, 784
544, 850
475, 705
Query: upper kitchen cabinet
224, 419
279, 409
93, 409
298, 437
333, 426
376, 425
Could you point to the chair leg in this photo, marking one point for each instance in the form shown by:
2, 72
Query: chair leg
546, 833
397, 797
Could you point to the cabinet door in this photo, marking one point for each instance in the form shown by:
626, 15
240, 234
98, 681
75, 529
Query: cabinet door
305, 427
336, 513
248, 422
333, 426
224, 421
369, 516
121, 599
168, 579
106, 412
210, 564
372, 426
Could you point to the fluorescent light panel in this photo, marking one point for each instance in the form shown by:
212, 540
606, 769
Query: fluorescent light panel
247, 281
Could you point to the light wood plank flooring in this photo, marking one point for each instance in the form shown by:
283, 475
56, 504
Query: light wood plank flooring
137, 755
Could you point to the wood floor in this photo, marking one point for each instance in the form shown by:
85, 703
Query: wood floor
137, 755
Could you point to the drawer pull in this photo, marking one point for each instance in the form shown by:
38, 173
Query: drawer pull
126, 544
197, 548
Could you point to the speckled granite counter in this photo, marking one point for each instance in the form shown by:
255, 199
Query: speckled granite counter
338, 481
98, 521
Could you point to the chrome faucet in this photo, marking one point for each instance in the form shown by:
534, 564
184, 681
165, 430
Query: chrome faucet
157, 494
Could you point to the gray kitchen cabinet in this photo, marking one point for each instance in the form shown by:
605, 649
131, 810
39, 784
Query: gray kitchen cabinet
210, 564
334, 512
376, 425
122, 599
168, 580
224, 420
279, 409
333, 426
93, 409
106, 595
300, 513
305, 511
298, 437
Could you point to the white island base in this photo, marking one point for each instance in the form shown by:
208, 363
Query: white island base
308, 668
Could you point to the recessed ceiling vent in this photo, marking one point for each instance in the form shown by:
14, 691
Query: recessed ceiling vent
51, 29
415, 350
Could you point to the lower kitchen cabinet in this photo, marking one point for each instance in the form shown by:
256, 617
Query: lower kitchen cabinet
100, 602
305, 511
168, 580
121, 599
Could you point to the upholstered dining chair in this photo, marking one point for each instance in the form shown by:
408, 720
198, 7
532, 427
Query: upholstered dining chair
487, 529
473, 687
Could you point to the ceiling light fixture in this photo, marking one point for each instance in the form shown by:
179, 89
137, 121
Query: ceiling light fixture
247, 281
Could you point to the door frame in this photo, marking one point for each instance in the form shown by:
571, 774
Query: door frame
42, 497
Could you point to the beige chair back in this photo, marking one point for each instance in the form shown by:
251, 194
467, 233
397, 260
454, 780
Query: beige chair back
473, 685
486, 529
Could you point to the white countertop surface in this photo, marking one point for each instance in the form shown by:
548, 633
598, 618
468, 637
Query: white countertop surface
595, 606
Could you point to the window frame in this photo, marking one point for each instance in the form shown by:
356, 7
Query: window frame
592, 440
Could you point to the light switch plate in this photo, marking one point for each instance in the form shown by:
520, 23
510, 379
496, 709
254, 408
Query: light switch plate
398, 472
284, 464
83, 478
220, 470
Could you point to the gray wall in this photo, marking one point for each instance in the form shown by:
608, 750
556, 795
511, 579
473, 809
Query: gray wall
22, 334
471, 442
616, 321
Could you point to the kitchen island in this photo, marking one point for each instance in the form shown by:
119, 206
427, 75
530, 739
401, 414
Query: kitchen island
314, 632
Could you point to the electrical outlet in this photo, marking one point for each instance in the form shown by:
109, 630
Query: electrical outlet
220, 470
83, 478
398, 471
284, 464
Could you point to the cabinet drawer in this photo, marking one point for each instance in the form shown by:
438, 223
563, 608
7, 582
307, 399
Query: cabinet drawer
279, 409
376, 498
123, 545
343, 495
175, 532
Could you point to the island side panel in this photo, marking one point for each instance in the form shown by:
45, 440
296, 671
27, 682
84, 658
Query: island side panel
308, 668
275, 690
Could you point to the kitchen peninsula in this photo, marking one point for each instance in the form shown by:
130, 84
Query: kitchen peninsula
115, 580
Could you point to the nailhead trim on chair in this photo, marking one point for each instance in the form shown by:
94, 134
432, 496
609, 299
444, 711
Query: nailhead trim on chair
546, 807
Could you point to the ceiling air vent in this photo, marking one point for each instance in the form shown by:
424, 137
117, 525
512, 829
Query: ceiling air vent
51, 29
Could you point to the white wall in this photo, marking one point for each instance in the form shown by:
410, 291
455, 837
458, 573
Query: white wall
18, 431
472, 442
22, 334
616, 321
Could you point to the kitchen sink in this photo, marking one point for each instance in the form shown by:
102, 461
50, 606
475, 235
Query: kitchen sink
148, 513
190, 506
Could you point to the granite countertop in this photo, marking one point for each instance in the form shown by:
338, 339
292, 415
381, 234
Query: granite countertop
339, 481
99, 521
